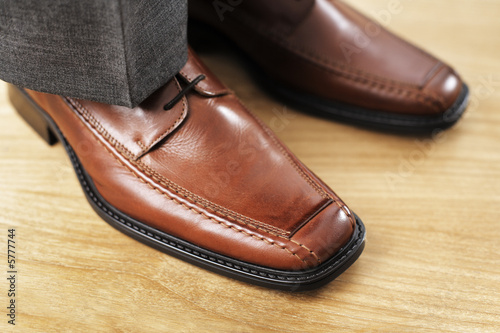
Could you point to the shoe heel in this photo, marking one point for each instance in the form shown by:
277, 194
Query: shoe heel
31, 113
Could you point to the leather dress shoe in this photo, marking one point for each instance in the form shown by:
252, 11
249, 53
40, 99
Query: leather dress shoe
327, 58
192, 173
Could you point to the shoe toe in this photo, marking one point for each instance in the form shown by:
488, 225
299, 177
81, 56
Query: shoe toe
327, 232
444, 87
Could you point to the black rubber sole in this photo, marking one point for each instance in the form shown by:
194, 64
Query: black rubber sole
247, 272
376, 119
204, 38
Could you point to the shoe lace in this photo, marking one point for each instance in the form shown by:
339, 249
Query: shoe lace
183, 92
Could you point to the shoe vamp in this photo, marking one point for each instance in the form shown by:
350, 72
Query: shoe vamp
226, 161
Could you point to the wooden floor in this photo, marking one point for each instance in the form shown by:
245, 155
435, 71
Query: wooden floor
431, 206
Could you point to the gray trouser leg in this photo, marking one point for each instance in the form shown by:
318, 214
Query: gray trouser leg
111, 51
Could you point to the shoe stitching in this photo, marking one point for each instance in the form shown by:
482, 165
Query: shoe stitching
299, 170
349, 73
427, 99
206, 204
220, 222
281, 38
196, 199
352, 247
336, 200
409, 47
437, 119
283, 151
160, 179
176, 201
181, 118
206, 216
142, 145
308, 249
247, 221
169, 184
395, 88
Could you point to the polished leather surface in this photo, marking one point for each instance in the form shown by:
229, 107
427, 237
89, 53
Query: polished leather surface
325, 48
206, 171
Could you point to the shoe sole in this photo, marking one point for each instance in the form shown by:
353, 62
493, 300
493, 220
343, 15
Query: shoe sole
347, 113
376, 119
303, 280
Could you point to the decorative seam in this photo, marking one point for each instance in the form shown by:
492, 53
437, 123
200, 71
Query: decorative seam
300, 171
245, 220
169, 184
206, 216
308, 179
142, 145
181, 118
308, 249
352, 74
281, 39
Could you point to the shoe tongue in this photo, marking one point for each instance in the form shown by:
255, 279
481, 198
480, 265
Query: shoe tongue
136, 131
211, 86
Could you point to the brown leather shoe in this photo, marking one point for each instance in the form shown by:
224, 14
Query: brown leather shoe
194, 174
326, 57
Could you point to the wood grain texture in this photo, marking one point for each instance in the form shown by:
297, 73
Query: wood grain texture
430, 204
